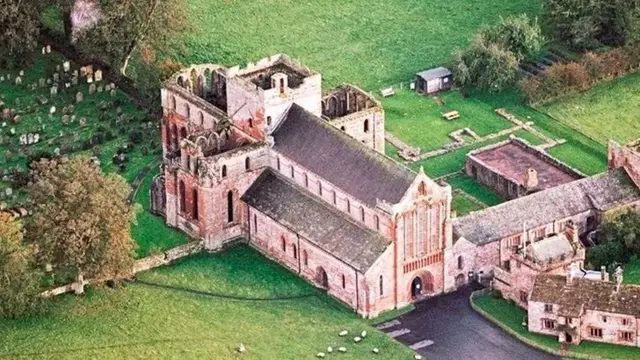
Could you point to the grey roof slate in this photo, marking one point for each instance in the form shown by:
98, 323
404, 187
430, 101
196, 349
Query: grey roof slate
601, 192
434, 73
335, 156
326, 227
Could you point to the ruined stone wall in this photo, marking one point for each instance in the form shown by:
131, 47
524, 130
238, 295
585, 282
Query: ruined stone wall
626, 157
463, 253
365, 126
343, 201
246, 107
507, 188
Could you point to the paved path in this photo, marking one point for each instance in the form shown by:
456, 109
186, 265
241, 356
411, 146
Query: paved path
447, 328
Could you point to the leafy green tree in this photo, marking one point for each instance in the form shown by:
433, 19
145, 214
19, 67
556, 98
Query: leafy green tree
518, 34
19, 278
19, 31
606, 254
81, 220
624, 228
485, 66
588, 24
127, 26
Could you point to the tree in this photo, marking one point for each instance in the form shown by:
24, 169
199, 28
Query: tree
518, 34
485, 66
127, 26
19, 278
19, 30
81, 220
588, 24
624, 228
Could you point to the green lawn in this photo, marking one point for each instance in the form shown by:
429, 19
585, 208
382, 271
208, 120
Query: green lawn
462, 205
141, 321
512, 316
418, 121
369, 44
479, 191
608, 111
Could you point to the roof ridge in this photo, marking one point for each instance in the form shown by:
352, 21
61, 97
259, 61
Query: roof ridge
351, 141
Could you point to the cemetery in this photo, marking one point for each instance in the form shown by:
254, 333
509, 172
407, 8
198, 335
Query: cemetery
54, 108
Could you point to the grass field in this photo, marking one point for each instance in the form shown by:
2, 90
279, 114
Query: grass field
512, 316
462, 205
140, 321
356, 41
481, 192
608, 111
632, 272
417, 119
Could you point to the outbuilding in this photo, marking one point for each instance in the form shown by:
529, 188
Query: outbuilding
434, 80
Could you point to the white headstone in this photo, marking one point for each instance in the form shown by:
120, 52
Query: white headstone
48, 49
66, 66
98, 75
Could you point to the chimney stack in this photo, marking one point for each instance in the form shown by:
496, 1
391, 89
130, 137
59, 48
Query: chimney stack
530, 179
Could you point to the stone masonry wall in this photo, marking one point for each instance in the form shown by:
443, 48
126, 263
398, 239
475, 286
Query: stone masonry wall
354, 125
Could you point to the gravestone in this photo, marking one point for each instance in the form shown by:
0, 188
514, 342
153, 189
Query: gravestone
99, 89
1, 78
66, 66
56, 77
98, 75
90, 79
74, 81
79, 97
92, 89
42, 82
65, 119
48, 49
67, 85
83, 122
44, 50
23, 139
41, 99
52, 110
53, 91
18, 80
74, 73
113, 93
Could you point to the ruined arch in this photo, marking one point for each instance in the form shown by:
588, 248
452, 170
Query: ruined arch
230, 206
180, 81
200, 86
194, 199
421, 284
181, 197
322, 279
460, 280
174, 136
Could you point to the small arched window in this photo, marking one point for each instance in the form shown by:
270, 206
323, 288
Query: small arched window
335, 198
293, 172
187, 111
342, 128
283, 244
200, 118
268, 120
344, 282
278, 163
295, 251
230, 206
348, 206
255, 223
319, 188
250, 122
306, 180
224, 171
381, 286
181, 195
174, 103
361, 213
366, 125
460, 262
247, 163
376, 220
183, 133
194, 195
305, 258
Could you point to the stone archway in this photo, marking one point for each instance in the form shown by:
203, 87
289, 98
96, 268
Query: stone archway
421, 285
460, 280
416, 287
322, 278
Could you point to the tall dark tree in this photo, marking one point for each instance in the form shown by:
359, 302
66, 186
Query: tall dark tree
19, 30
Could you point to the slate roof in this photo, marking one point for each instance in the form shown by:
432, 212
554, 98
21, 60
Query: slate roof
586, 294
551, 248
602, 192
326, 227
335, 156
434, 73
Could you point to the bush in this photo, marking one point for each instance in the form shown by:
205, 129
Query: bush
606, 254
136, 136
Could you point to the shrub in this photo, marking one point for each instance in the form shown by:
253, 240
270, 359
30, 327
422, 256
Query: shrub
606, 254
136, 136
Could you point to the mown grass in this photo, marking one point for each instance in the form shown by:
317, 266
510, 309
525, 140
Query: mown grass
462, 205
418, 121
140, 321
369, 44
512, 316
608, 111
479, 191
632, 272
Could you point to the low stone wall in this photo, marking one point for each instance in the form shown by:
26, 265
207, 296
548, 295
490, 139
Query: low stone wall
533, 344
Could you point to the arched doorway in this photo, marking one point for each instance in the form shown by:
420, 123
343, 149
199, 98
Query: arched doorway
416, 287
460, 280
321, 278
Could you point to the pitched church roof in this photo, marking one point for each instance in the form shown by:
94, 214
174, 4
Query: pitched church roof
335, 156
601, 192
586, 294
320, 223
